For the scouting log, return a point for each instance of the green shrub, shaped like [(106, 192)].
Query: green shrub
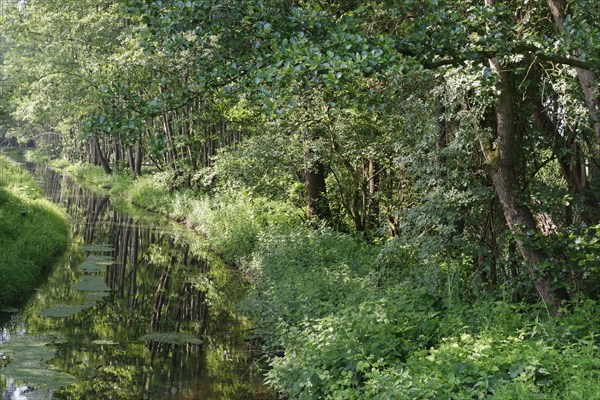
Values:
[(149, 192), (344, 320), (333, 356)]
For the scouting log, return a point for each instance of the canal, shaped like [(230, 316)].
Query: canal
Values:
[(139, 308)]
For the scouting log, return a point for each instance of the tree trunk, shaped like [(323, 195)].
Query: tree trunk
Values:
[(170, 153), (98, 152), (131, 160), (316, 189), (139, 157), (373, 208), (118, 152), (504, 176)]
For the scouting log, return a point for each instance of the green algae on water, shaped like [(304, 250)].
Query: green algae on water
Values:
[(62, 310), (90, 283), (96, 263)]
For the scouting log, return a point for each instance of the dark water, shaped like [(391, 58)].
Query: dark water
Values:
[(138, 309)]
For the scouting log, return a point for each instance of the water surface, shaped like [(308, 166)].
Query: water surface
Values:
[(138, 309)]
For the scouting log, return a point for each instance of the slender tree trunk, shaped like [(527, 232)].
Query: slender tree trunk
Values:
[(170, 146), (131, 160), (373, 208), (98, 151), (139, 157), (118, 152), (91, 152)]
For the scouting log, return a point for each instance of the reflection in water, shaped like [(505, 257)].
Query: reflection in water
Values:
[(14, 391), (138, 310)]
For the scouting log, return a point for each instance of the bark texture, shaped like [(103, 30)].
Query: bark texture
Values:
[(503, 162)]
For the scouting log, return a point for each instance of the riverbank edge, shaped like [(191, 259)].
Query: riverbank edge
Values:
[(210, 216), (34, 234), (339, 318)]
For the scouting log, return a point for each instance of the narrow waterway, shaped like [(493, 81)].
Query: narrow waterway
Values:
[(137, 309)]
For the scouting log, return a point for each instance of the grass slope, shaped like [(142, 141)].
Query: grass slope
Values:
[(33, 234)]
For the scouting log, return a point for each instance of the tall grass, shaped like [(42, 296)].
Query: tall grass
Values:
[(232, 222), (33, 234)]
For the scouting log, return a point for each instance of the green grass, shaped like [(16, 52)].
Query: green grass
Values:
[(33, 234)]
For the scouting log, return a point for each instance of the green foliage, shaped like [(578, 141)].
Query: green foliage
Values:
[(395, 105), (326, 359), (582, 258), (354, 322), (264, 165), (149, 192), (402, 346), (236, 222), (304, 270)]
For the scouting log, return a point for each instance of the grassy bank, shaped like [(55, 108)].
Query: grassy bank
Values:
[(232, 222), (33, 234), (342, 319)]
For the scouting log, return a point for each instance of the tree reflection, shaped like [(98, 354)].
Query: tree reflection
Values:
[(153, 278)]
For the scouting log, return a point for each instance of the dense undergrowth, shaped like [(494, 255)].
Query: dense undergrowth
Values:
[(342, 319), (33, 234)]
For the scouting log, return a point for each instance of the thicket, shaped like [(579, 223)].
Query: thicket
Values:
[(33, 234)]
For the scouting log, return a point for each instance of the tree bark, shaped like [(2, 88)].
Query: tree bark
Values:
[(373, 208), (518, 216), (139, 156), (98, 152), (131, 160), (170, 153)]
